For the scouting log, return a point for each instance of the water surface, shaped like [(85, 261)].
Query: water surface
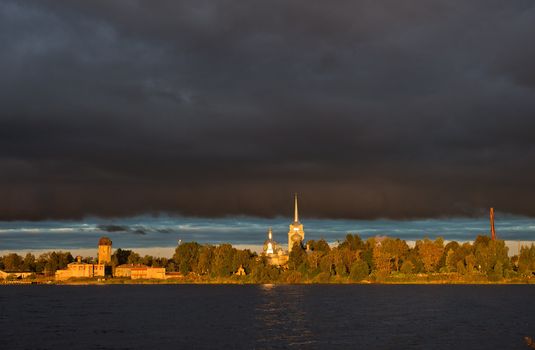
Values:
[(262, 317)]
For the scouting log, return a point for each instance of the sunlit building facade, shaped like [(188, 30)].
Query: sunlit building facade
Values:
[(139, 271), (79, 269), (296, 234)]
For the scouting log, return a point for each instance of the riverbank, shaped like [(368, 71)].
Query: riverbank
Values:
[(390, 280)]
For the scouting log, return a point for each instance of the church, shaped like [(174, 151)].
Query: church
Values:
[(296, 235)]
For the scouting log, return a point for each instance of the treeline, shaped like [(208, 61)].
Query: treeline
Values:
[(353, 259), (125, 256), (49, 263), (46, 263)]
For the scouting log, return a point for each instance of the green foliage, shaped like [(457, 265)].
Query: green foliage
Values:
[(491, 257), (321, 246), (262, 272), (322, 277), (352, 242), (497, 272), (206, 254), (341, 266), (526, 260), (407, 267), (186, 257), (430, 253), (134, 258), (223, 263), (28, 264), (381, 260), (11, 278), (359, 270), (54, 261), (120, 257), (396, 250), (292, 277), (326, 264), (470, 263), (297, 257), (13, 262), (460, 267)]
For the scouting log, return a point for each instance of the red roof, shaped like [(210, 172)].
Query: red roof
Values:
[(104, 241)]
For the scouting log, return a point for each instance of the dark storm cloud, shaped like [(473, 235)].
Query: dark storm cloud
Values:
[(369, 109)]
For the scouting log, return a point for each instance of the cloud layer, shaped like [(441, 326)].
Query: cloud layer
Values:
[(165, 231), (368, 109)]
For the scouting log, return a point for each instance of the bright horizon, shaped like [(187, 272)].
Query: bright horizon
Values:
[(159, 235)]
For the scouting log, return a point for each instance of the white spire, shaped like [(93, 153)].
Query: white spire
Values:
[(270, 233), (296, 213)]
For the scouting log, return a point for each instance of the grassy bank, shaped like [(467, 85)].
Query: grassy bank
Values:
[(418, 279)]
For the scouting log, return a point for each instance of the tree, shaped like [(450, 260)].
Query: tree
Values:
[(134, 258), (243, 258), (187, 257), (326, 263), (460, 267), (414, 257), (206, 253), (352, 242), (50, 262), (455, 253), (13, 262), (497, 272), (526, 260), (470, 263), (223, 263), (313, 260), (359, 270), (28, 264), (320, 246), (396, 249), (407, 267), (430, 252), (367, 253), (297, 257), (382, 259), (341, 261), (120, 257), (263, 272), (450, 247), (489, 253)]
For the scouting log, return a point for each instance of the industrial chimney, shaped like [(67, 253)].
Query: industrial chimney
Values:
[(492, 230)]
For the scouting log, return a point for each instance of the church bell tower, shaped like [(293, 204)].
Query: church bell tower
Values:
[(296, 233)]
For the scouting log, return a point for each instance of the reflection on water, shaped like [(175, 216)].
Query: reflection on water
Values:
[(281, 317), (266, 317)]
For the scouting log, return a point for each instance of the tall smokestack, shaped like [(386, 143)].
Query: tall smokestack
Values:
[(492, 230)]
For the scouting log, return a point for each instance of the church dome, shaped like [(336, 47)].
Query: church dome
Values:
[(270, 241), (270, 246), (104, 241)]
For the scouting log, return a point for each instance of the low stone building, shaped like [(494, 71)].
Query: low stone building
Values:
[(79, 269), (138, 271), (15, 274)]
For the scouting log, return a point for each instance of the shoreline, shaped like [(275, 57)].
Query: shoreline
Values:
[(529, 281)]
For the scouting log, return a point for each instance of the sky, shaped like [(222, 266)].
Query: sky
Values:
[(159, 235), (399, 110)]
